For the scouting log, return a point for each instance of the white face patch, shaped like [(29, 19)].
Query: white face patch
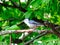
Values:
[(26, 20)]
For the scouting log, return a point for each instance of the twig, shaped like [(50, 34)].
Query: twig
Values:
[(18, 6), (10, 39), (40, 35), (14, 3), (29, 1)]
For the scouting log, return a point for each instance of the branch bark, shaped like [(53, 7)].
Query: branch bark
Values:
[(14, 31), (21, 31)]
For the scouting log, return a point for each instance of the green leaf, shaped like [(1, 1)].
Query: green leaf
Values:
[(13, 27), (28, 14)]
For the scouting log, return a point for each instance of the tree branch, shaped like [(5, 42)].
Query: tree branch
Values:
[(6, 5), (28, 30), (51, 25), (17, 41), (14, 31), (42, 33), (21, 31), (54, 28)]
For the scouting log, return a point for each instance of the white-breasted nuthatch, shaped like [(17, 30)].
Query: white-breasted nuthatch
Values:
[(32, 23)]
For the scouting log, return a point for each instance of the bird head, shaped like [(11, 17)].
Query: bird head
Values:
[(26, 20)]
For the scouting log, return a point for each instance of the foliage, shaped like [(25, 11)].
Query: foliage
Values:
[(47, 10)]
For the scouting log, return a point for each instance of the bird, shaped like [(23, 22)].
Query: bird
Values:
[(32, 23)]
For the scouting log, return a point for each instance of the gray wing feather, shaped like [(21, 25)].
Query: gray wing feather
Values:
[(34, 22)]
